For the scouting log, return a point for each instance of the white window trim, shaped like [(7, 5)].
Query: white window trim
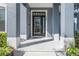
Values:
[(46, 20), (5, 6)]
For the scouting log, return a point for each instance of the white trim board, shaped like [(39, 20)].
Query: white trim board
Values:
[(46, 19)]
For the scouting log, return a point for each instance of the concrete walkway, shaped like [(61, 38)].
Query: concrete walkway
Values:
[(45, 47)]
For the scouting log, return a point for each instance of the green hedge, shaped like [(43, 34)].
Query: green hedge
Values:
[(76, 35), (5, 51), (3, 39), (72, 51)]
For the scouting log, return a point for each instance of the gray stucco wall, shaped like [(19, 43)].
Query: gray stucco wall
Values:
[(69, 22), (18, 20), (49, 23), (13, 25), (49, 20), (13, 22), (55, 21), (78, 22), (23, 20), (11, 19), (28, 21)]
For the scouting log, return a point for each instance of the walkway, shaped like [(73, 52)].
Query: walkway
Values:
[(47, 47)]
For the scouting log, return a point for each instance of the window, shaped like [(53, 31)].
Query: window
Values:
[(2, 18)]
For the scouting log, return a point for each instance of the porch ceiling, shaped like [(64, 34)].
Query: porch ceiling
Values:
[(41, 5)]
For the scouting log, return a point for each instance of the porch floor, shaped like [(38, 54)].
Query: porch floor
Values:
[(39, 47)]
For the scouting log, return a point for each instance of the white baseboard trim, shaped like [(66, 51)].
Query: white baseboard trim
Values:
[(13, 42), (23, 36)]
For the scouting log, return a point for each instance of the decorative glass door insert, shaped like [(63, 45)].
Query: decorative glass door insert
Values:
[(38, 24)]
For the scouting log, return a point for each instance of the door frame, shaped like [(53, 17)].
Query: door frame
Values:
[(32, 19)]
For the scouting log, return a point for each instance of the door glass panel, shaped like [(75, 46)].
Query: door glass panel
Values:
[(38, 24)]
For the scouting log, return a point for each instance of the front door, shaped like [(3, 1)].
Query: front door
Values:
[(38, 25)]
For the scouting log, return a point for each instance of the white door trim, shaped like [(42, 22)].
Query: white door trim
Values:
[(46, 20)]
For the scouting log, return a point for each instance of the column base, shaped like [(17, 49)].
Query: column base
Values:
[(13, 42), (59, 45), (23, 36), (56, 37)]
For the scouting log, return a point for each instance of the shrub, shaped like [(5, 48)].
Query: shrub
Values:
[(5, 51), (3, 39), (72, 50), (76, 35)]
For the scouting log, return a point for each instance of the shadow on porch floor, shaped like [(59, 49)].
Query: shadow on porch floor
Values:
[(34, 43)]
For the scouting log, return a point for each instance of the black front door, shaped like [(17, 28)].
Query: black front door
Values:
[(38, 25)]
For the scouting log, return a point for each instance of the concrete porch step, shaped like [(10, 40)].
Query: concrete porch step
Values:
[(51, 53), (40, 54)]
